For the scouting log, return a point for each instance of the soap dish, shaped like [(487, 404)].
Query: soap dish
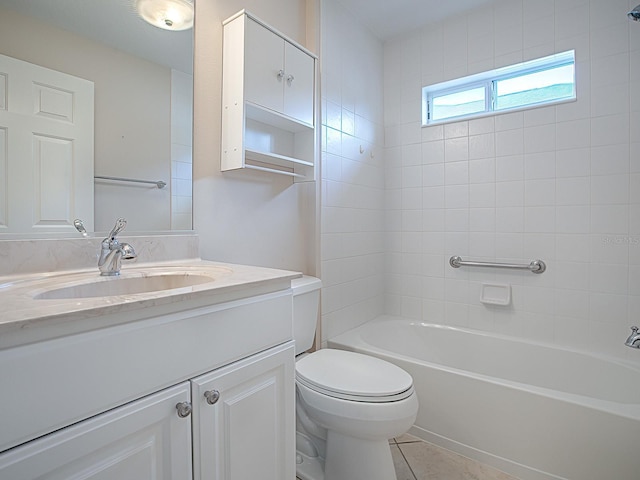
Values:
[(495, 294)]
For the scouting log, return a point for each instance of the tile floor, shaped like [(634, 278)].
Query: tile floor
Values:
[(415, 459)]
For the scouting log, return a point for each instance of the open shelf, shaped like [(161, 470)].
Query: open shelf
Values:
[(278, 120), (274, 158)]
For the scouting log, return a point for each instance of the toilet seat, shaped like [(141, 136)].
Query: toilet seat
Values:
[(353, 376)]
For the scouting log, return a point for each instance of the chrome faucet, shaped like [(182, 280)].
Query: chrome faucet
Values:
[(80, 227), (634, 339), (112, 252)]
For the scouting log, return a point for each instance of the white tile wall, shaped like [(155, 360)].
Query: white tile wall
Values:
[(181, 150), (557, 183), (353, 173)]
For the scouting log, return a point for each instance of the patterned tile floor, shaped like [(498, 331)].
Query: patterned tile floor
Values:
[(415, 459)]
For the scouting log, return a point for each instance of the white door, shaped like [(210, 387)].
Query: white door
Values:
[(244, 419), (299, 84), (46, 149), (264, 66), (143, 440)]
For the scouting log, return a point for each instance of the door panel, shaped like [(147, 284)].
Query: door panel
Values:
[(143, 440), (52, 102), (3, 91), (264, 58), (249, 432), (299, 84), (47, 120), (4, 179), (53, 189)]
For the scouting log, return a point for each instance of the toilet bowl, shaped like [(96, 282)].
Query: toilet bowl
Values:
[(348, 405)]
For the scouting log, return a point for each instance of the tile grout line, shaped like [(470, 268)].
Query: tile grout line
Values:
[(407, 461)]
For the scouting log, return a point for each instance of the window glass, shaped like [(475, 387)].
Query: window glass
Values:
[(530, 84), (537, 87), (457, 104)]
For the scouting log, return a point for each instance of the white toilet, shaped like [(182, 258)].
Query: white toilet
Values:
[(348, 405)]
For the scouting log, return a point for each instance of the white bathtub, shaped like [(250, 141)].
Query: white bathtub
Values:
[(532, 410)]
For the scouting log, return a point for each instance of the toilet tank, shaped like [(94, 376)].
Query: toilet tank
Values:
[(306, 304)]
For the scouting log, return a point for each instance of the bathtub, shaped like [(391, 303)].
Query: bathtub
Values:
[(532, 410)]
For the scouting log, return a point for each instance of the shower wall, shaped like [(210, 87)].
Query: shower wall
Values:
[(559, 183), (352, 172)]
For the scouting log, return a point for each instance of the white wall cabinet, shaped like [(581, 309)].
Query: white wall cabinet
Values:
[(268, 95)]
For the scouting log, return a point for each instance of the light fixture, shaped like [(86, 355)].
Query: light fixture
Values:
[(167, 14)]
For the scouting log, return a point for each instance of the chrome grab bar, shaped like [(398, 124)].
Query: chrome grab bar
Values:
[(536, 266), (159, 183)]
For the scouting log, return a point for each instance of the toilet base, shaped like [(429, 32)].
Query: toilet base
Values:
[(309, 468), (357, 459)]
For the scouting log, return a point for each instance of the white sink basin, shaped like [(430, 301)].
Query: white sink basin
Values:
[(109, 286)]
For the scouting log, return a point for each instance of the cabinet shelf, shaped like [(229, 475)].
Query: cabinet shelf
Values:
[(274, 158), (286, 173), (277, 119)]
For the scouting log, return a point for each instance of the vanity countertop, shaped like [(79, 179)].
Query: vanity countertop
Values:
[(25, 318)]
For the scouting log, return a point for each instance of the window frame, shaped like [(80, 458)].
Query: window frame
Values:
[(490, 80)]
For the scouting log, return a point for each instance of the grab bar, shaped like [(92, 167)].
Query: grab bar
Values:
[(158, 183), (536, 266)]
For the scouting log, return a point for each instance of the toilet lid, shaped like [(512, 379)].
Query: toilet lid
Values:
[(353, 376)]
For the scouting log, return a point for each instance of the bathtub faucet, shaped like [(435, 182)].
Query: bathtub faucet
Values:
[(634, 339)]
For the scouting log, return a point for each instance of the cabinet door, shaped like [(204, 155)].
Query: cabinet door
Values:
[(142, 440), (299, 84), (246, 427), (264, 66)]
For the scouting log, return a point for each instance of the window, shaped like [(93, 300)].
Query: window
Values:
[(538, 82)]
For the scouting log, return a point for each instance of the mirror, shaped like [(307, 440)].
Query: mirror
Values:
[(143, 91)]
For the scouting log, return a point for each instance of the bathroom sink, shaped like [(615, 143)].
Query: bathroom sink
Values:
[(109, 286)]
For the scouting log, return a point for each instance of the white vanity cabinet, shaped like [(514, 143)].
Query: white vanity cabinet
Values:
[(102, 402), (241, 412), (268, 95)]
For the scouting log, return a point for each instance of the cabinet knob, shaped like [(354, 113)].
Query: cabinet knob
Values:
[(280, 74), (290, 79), (212, 396), (184, 409)]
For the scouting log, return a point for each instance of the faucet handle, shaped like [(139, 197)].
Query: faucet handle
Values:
[(80, 227), (118, 227), (634, 330)]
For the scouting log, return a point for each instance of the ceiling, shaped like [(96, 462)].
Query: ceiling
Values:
[(390, 18), (114, 23)]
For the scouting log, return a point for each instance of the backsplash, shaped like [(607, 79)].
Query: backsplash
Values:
[(48, 255)]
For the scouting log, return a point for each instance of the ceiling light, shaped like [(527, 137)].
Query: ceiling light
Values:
[(167, 14)]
